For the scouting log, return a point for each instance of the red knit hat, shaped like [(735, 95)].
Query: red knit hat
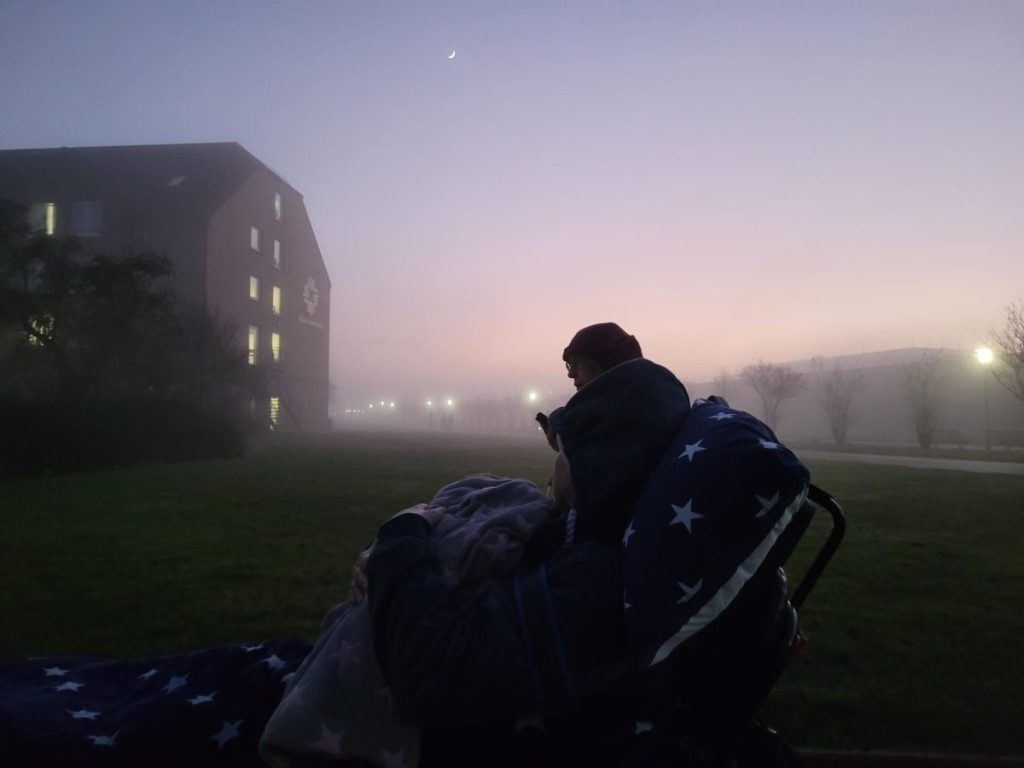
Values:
[(605, 343)]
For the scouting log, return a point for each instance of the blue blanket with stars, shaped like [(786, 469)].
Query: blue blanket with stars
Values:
[(197, 709)]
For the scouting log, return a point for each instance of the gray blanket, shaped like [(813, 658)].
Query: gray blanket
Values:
[(337, 705)]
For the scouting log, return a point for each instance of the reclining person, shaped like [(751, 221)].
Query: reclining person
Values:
[(549, 640), (705, 494)]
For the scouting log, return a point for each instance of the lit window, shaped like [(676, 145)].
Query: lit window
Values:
[(43, 218), (275, 409), (277, 206), (277, 254), (254, 344), (254, 288), (275, 300), (275, 347), (254, 238)]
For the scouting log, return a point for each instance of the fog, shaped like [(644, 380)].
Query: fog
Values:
[(729, 183)]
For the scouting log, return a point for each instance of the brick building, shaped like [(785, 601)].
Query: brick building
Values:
[(237, 234)]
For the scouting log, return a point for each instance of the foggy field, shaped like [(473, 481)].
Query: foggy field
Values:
[(915, 629)]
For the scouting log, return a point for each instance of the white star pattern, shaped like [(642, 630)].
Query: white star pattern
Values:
[(689, 592), (104, 741), (147, 675), (70, 686), (227, 732), (722, 415), (175, 683), (294, 697), (392, 759), (347, 655), (273, 662), (692, 450), (82, 714), (629, 532), (768, 444), (766, 504), (54, 671), (202, 698), (329, 741), (685, 515)]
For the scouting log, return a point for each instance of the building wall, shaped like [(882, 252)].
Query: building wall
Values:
[(300, 379), (128, 224)]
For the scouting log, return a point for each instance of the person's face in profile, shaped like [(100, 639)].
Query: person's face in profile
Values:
[(581, 369)]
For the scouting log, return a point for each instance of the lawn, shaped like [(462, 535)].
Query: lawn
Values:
[(915, 629)]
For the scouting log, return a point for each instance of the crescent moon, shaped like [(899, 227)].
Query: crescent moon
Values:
[(451, 55)]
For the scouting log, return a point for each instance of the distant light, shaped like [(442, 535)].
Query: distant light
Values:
[(391, 404), (371, 405), (984, 355), (381, 403), (430, 403), (532, 396), (449, 402)]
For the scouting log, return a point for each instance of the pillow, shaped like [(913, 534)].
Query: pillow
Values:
[(709, 515)]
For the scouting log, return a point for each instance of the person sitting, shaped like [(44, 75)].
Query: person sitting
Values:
[(549, 640), (676, 508)]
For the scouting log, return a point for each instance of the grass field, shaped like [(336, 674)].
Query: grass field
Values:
[(916, 629)]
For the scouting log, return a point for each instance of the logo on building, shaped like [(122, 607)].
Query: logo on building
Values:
[(311, 296)]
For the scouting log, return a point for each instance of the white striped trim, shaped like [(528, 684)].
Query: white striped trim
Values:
[(570, 527), (721, 600)]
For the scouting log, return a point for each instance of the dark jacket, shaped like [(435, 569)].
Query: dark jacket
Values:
[(550, 639), (534, 642), (614, 432)]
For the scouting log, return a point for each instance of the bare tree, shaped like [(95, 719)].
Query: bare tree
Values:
[(1009, 347), (836, 390), (922, 384), (724, 385), (773, 383)]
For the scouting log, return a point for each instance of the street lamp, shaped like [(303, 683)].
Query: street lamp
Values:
[(985, 356)]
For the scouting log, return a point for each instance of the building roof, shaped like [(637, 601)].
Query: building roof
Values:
[(168, 180)]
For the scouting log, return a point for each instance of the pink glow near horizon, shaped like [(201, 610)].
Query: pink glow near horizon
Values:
[(727, 182)]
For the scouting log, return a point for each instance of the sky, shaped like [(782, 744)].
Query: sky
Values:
[(727, 181)]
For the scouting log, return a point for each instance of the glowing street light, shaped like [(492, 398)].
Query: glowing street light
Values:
[(449, 402), (985, 356), (532, 396)]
